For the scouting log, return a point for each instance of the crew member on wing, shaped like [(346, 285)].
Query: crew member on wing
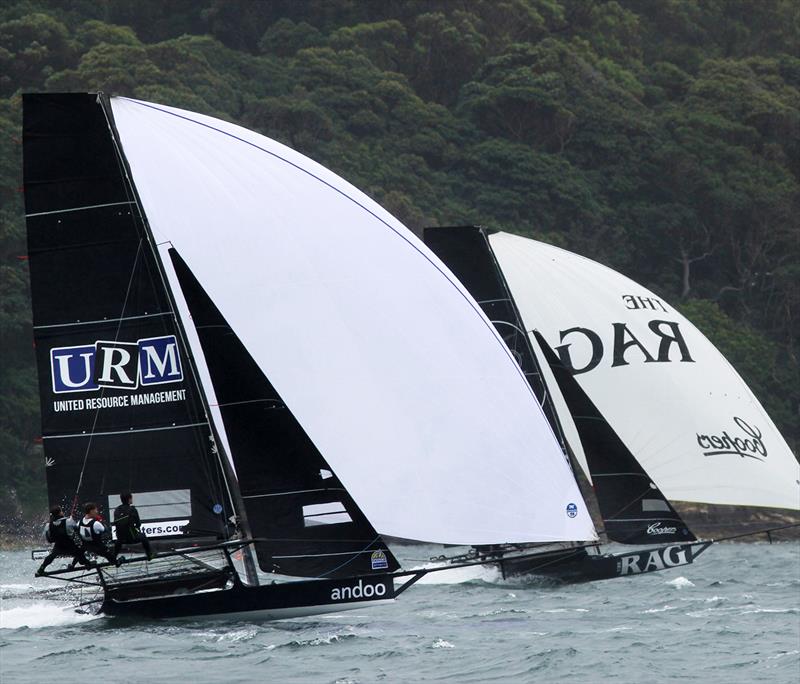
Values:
[(62, 532), (128, 526), (95, 536)]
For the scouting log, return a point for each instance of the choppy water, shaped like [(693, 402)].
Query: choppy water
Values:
[(734, 616)]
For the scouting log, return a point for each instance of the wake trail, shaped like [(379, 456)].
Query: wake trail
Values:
[(478, 573), (40, 615)]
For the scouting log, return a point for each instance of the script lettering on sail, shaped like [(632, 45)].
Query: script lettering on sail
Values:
[(750, 446)]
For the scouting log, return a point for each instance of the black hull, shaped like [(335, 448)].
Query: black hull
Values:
[(560, 563), (270, 601), (577, 565)]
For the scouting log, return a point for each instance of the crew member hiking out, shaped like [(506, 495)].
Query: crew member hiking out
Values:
[(94, 535), (62, 532), (129, 526)]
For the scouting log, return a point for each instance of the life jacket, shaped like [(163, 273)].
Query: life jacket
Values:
[(87, 531), (57, 532), (126, 520)]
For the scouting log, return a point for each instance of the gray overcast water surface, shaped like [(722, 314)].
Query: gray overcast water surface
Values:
[(733, 616)]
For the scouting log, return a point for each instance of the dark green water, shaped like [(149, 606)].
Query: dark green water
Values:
[(734, 616)]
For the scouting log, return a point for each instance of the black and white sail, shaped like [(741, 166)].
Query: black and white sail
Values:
[(671, 398), (306, 522), (237, 335), (120, 411), (202, 292), (633, 509)]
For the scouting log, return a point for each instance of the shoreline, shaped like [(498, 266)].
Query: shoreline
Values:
[(21, 543)]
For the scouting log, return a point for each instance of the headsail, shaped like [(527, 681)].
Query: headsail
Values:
[(119, 410), (670, 396), (309, 524), (384, 359), (634, 510)]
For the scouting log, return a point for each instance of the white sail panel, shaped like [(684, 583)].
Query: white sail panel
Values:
[(382, 356), (673, 399)]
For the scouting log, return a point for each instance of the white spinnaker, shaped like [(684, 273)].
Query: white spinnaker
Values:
[(669, 414), (382, 356)]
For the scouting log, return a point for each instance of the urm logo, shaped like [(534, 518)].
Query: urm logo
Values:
[(122, 365)]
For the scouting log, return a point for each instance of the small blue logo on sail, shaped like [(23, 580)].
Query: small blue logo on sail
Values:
[(572, 510), (121, 365), (378, 560)]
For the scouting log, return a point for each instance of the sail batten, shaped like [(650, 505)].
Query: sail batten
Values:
[(84, 208)]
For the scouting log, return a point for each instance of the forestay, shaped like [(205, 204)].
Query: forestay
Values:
[(672, 398), (384, 359)]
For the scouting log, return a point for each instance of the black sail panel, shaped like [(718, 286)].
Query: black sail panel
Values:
[(633, 508), (119, 409), (310, 525)]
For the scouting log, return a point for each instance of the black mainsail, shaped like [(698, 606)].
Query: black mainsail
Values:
[(122, 407), (119, 409)]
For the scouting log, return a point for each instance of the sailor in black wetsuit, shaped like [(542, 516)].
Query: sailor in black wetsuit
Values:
[(129, 526), (95, 536), (62, 532)]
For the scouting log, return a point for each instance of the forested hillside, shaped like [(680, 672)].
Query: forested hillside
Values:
[(659, 137)]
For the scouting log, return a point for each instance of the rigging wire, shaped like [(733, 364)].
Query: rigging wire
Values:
[(102, 388), (138, 261), (134, 198)]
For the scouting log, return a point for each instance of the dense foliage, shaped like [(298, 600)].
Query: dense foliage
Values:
[(662, 138)]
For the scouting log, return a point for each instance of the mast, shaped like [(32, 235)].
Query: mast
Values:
[(234, 494)]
